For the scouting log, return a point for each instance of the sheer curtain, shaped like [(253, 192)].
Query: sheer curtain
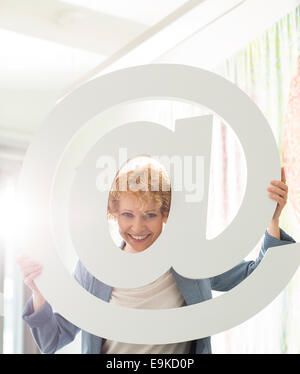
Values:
[(264, 70), (291, 157)]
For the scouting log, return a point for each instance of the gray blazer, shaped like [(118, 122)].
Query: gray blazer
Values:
[(51, 331)]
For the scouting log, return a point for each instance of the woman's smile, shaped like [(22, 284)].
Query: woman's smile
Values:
[(139, 238)]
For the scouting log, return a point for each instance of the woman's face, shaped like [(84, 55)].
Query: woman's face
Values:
[(139, 227)]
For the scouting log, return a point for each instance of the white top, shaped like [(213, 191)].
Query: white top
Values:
[(160, 294)]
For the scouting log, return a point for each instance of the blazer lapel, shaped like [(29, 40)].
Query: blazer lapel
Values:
[(100, 290), (193, 290)]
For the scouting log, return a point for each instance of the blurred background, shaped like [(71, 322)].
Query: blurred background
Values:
[(50, 47)]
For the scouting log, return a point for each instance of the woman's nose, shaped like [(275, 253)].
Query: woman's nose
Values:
[(138, 225)]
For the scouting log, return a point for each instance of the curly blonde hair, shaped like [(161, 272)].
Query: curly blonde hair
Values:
[(146, 180)]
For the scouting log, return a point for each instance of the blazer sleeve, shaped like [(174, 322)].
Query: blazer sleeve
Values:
[(50, 330), (232, 277)]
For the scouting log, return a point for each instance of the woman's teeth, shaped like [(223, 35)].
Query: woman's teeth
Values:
[(139, 237)]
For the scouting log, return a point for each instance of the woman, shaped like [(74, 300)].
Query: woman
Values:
[(141, 214)]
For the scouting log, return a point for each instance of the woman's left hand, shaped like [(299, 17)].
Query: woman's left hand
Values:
[(278, 191)]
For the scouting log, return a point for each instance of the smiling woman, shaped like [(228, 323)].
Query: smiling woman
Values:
[(139, 201)]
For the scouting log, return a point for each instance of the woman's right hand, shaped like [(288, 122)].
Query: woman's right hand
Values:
[(30, 270)]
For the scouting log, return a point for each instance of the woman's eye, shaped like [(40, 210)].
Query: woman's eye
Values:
[(127, 214), (151, 215)]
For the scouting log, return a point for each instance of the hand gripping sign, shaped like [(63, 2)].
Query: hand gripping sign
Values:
[(58, 183)]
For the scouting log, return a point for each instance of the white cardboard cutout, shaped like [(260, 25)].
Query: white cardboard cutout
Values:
[(43, 167)]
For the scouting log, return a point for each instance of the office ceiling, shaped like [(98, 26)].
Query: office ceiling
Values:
[(47, 45)]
